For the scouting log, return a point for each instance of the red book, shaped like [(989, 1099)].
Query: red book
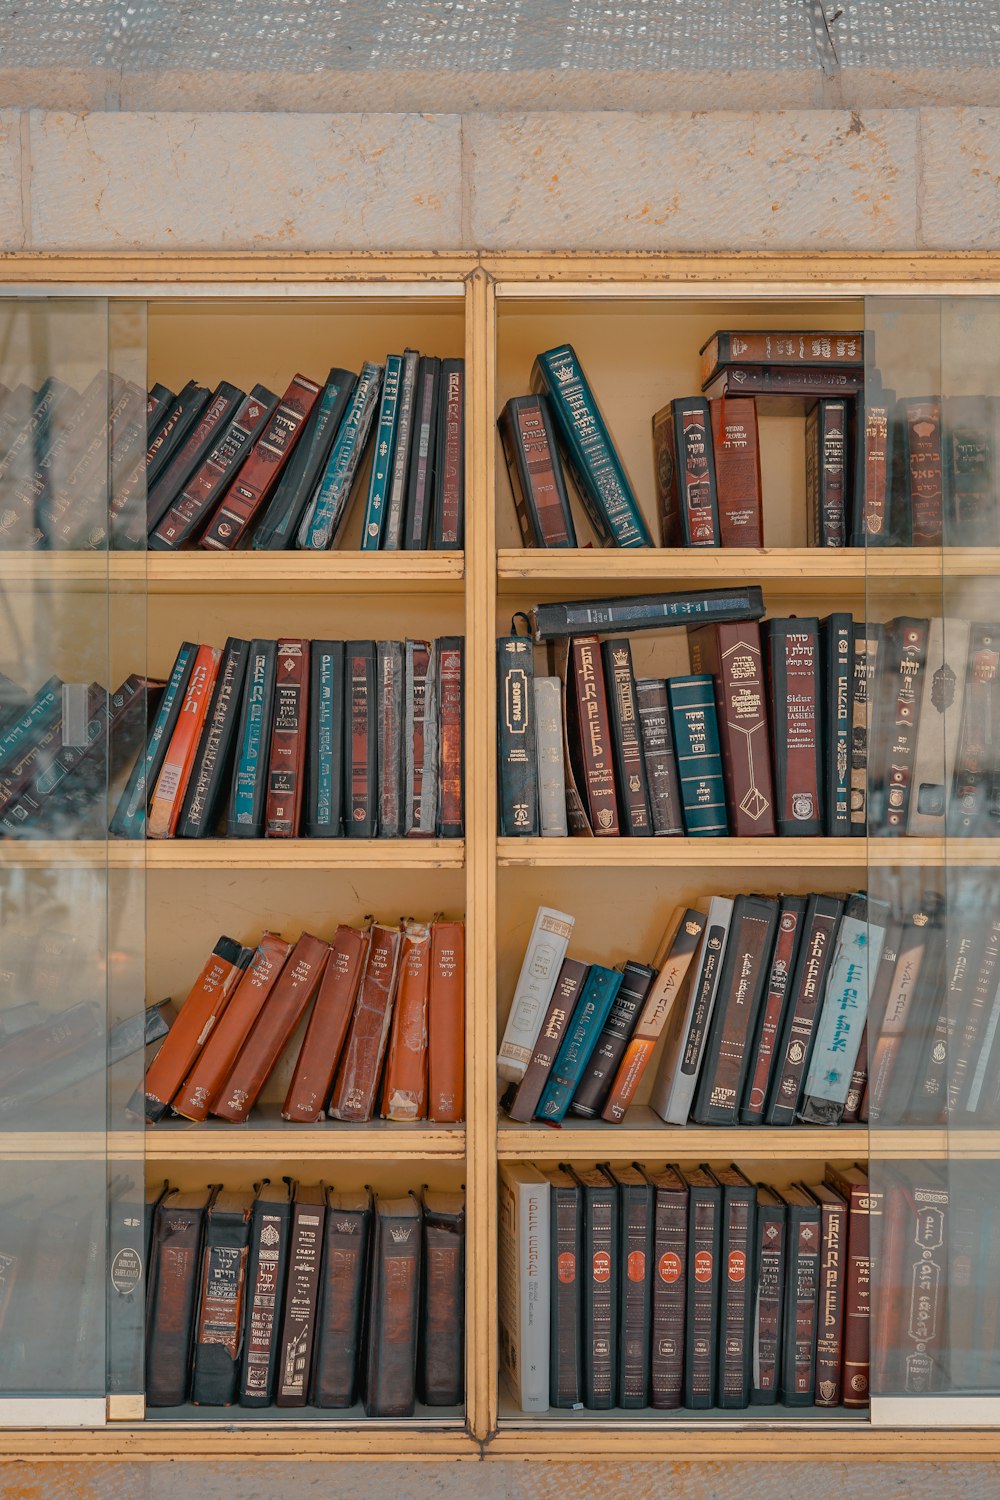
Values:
[(830, 1314), (286, 767), (327, 1029), (446, 1024), (925, 471), (863, 1205), (404, 1096), (736, 439), (353, 1095), (731, 654), (171, 784), (590, 730)]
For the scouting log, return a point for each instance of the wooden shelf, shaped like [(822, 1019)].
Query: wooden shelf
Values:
[(236, 854), (268, 1136), (770, 854), (239, 572)]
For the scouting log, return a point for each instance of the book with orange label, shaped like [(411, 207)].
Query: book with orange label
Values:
[(404, 1096), (324, 1039), (446, 1024), (171, 784)]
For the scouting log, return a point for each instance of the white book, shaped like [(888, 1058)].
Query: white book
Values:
[(844, 1011), (550, 759), (680, 1063), (539, 972), (523, 1213), (938, 726)]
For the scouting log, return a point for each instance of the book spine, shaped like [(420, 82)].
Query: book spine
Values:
[(298, 1325), (769, 1296), (864, 1205), (668, 500), (129, 816), (677, 1075), (395, 510), (536, 480), (623, 1018), (630, 766), (523, 1290), (940, 717), (669, 1298), (867, 641), (325, 781), (389, 678), (907, 666), (360, 1068), (341, 1305), (783, 349), (404, 1092), (970, 463), (178, 1237), (549, 758), (805, 383), (858, 1082), (925, 471), (442, 1310), (600, 1297), (327, 511), (741, 984), (702, 1317), (735, 1298), (593, 744), (246, 800), (578, 1044), (219, 1318), (451, 737), (826, 472), (551, 622), (565, 1311), (798, 1363), (731, 655), (838, 671), (658, 753), (213, 763), (420, 480), (448, 531), (326, 1032), (287, 754), (699, 758), (300, 477), (205, 432), (360, 741), (763, 1051), (171, 784), (635, 1282), (830, 1300), (796, 723), (446, 1024), (415, 700), (736, 441), (385, 439), (872, 470), (525, 1097), (972, 1021), (392, 1318), (695, 475), (165, 442), (973, 807), (249, 492), (808, 986), (191, 507), (843, 1014), (540, 968)]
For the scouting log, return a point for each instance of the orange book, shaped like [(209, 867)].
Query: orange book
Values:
[(214, 1063), (171, 784), (324, 1039), (446, 1024), (199, 1015), (404, 1096), (356, 1086)]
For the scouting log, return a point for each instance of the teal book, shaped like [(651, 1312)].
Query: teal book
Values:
[(301, 475), (591, 1012), (249, 790), (129, 819), (587, 447), (376, 509), (326, 514), (699, 761), (39, 715)]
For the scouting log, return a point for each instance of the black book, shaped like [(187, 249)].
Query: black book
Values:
[(745, 970), (808, 986), (129, 817), (360, 740), (702, 1312), (248, 796), (323, 810), (213, 763), (768, 1290), (599, 1290), (521, 1100), (127, 1262), (795, 693), (827, 469), (629, 613), (441, 1356), (217, 414), (340, 1311), (219, 1323), (395, 505), (448, 525), (670, 1231), (307, 465), (736, 1303), (173, 1294), (837, 644), (298, 1320), (766, 1036), (656, 729), (635, 1285), (566, 1270), (267, 1265), (518, 770), (159, 400), (389, 677), (798, 1341), (626, 739), (420, 478), (173, 428), (391, 1341), (599, 1075)]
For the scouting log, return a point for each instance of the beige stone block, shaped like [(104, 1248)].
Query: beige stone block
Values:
[(829, 179), (960, 179), (227, 181), (11, 214)]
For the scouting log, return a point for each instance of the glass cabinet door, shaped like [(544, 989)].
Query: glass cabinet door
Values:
[(73, 704)]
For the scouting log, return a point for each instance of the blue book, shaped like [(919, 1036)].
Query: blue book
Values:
[(325, 515), (593, 461), (699, 761), (33, 722), (583, 1034), (376, 509), (844, 1011), (129, 820), (249, 790)]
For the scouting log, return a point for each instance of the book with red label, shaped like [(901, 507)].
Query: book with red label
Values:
[(298, 1321), (199, 1014), (208, 427), (255, 483), (590, 735), (925, 470), (827, 459), (171, 784), (626, 742), (340, 1311), (448, 519), (745, 972), (767, 1031), (272, 1030), (360, 1068), (703, 1287), (441, 1369), (830, 1300), (805, 996), (565, 1289), (446, 1024), (393, 1308), (736, 441), (635, 1285), (731, 655), (537, 482), (175, 1265), (798, 1353), (218, 1333), (736, 1301), (768, 1295), (864, 1205), (404, 1092), (795, 692), (286, 767), (266, 1268), (360, 740), (215, 1061), (451, 737), (326, 1032), (840, 349), (669, 1300), (685, 474), (601, 1270), (523, 1098)]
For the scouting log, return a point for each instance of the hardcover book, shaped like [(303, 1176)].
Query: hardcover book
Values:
[(867, 644), (219, 1317), (795, 691), (699, 758), (524, 1097), (404, 1091), (175, 769), (827, 468), (770, 1016), (300, 476), (970, 472), (602, 1068), (627, 615), (703, 1287), (736, 440), (173, 1293), (680, 1063), (837, 645), (566, 1269), (340, 1306), (528, 437), (805, 996), (589, 735), (658, 753), (684, 461), (201, 437), (448, 518), (360, 1067), (768, 1296), (830, 1297), (736, 1305), (635, 1285), (523, 1292), (939, 717), (393, 1308), (925, 470), (543, 956), (864, 1204), (836, 349), (298, 1320), (446, 1024), (669, 1300), (740, 992), (450, 769), (326, 512), (213, 764), (798, 1353), (287, 754), (248, 794), (324, 764), (312, 1078), (441, 1372), (550, 772), (395, 508), (601, 1273), (267, 1265), (629, 761), (420, 480), (731, 655), (390, 687), (381, 470), (581, 1037), (360, 740)]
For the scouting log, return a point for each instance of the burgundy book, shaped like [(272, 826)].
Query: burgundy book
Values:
[(731, 654), (670, 1232), (922, 427), (524, 1096), (830, 1314), (207, 430), (685, 474), (356, 1085), (451, 726), (175, 1260), (788, 347), (764, 1047), (736, 439), (794, 387), (859, 1080), (298, 1325), (541, 499), (323, 1042), (272, 1030), (590, 731), (863, 1205), (796, 704), (446, 1024), (404, 1093), (286, 767)]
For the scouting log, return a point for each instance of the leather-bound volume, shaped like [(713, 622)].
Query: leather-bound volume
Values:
[(420, 737), (393, 1309), (635, 1285), (736, 441), (516, 730), (837, 350), (451, 737), (324, 766), (837, 643), (626, 743), (873, 443), (301, 475), (287, 755), (360, 1067), (404, 1093), (768, 1271), (389, 684), (526, 1095), (326, 1032), (201, 1011), (592, 1011), (796, 706), (736, 1302), (272, 1030), (863, 1205), (566, 1271), (629, 613), (858, 1082), (267, 1266), (731, 655), (395, 505), (971, 470), (248, 793), (798, 1353), (536, 477), (206, 430), (214, 1062), (965, 1049), (250, 491), (171, 784), (340, 1311), (656, 729), (590, 731), (669, 1300), (685, 474), (560, 663), (441, 1372), (298, 1319), (448, 519), (213, 764), (703, 1283), (974, 810), (543, 955), (173, 428), (940, 719), (904, 667), (129, 817), (173, 1294), (218, 1334), (360, 740), (867, 648), (827, 468), (895, 1049), (745, 969), (420, 480), (616, 1033), (699, 756), (446, 1024), (830, 1297), (767, 1031), (805, 997), (601, 1270), (925, 470), (918, 1313)]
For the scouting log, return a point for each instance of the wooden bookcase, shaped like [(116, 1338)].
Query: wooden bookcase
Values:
[(637, 322)]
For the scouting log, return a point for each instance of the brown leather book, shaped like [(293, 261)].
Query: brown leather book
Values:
[(404, 1095), (446, 1024), (360, 1067), (451, 727), (214, 1063), (199, 1014), (685, 474), (590, 735), (393, 1308), (736, 439), (863, 1205), (830, 1316), (323, 1042), (442, 1320), (298, 1324), (175, 1261), (287, 761), (922, 422), (272, 1029), (731, 654)]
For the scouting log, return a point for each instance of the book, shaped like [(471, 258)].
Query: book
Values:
[(802, 1006), (827, 469), (768, 1296), (267, 1265), (389, 687), (974, 808), (736, 441), (420, 479), (699, 758), (543, 956), (360, 1066), (450, 780), (874, 432), (167, 799), (939, 718), (287, 754), (897, 1034), (837, 646), (522, 1100), (186, 457), (448, 516), (601, 1274), (830, 1294), (602, 1067), (326, 513), (404, 1091), (419, 739), (660, 760), (441, 1372), (673, 1090), (635, 1285), (565, 1285), (360, 740), (867, 643), (792, 654), (739, 995), (528, 438), (579, 1040), (704, 1243), (787, 348), (523, 1291), (771, 1013), (864, 1204), (731, 655), (38, 716), (381, 469), (324, 792), (550, 774), (312, 1078), (924, 470), (911, 1337), (391, 538), (904, 668), (248, 792), (216, 752), (589, 736), (629, 762), (970, 518), (300, 476), (173, 1292), (643, 612), (684, 464), (588, 450), (341, 1300), (669, 1294), (298, 1319), (218, 1324), (966, 1048), (781, 390), (164, 442), (393, 1308), (446, 1024), (802, 1247), (736, 1302)]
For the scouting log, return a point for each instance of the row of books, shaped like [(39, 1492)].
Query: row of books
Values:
[(797, 727), (297, 1295), (223, 469), (631, 1287), (386, 1032)]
